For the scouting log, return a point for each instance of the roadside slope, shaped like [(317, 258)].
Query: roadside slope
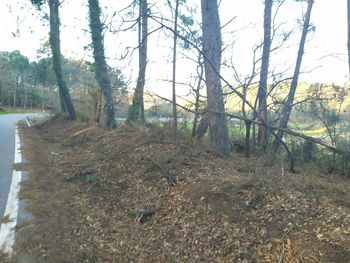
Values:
[(90, 192)]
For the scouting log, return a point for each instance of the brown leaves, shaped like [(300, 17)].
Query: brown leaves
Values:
[(213, 214)]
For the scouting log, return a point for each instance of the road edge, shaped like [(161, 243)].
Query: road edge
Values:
[(7, 230)]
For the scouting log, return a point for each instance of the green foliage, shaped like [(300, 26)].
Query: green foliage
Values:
[(132, 214), (163, 109), (302, 151), (17, 81), (16, 60), (187, 20), (85, 115), (43, 72), (325, 104), (91, 178), (28, 84)]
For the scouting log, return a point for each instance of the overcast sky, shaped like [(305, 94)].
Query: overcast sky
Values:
[(325, 57)]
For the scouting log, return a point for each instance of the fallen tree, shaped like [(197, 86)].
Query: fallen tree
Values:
[(272, 129)]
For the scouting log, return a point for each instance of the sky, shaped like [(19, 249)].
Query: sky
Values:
[(325, 58)]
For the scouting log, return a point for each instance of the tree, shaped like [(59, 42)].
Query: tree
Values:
[(262, 91), (326, 104), (136, 111), (19, 65), (101, 70), (57, 57), (55, 44), (287, 108), (212, 63), (18, 78)]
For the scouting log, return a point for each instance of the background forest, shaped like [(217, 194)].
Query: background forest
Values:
[(255, 107)]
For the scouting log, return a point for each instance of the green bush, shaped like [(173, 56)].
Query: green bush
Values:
[(86, 115)]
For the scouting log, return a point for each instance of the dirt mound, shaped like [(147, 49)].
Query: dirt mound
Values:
[(136, 195)]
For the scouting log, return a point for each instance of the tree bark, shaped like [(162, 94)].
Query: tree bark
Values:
[(174, 66), (289, 103), (262, 91), (1, 96), (15, 92), (66, 101), (212, 63), (202, 126), (101, 69), (136, 111)]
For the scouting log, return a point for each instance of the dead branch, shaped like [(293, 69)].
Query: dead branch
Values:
[(95, 183), (280, 259), (83, 131), (287, 233), (80, 173), (290, 132), (142, 215), (171, 180)]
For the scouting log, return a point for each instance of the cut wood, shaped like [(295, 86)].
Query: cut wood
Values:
[(83, 131)]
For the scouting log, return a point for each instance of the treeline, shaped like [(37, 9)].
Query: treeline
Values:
[(267, 94), (19, 81), (33, 85)]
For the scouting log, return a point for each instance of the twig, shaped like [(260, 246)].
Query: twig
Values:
[(95, 183), (287, 233), (83, 131), (280, 259), (171, 181), (143, 214), (77, 175)]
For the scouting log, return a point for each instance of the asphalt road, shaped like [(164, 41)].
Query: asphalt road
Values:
[(7, 150)]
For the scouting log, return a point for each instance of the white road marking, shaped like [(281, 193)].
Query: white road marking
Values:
[(7, 230)]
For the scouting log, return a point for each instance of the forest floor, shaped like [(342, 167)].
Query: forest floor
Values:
[(100, 196)]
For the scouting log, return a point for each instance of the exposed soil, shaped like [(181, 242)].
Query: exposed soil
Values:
[(90, 192)]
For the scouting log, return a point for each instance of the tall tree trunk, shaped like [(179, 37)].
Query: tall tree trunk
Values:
[(101, 70), (136, 111), (15, 92), (212, 63), (1, 96), (24, 102), (289, 103), (62, 102), (348, 20), (57, 57), (174, 66), (262, 92)]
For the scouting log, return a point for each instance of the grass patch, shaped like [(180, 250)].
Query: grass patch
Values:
[(6, 112), (315, 132)]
